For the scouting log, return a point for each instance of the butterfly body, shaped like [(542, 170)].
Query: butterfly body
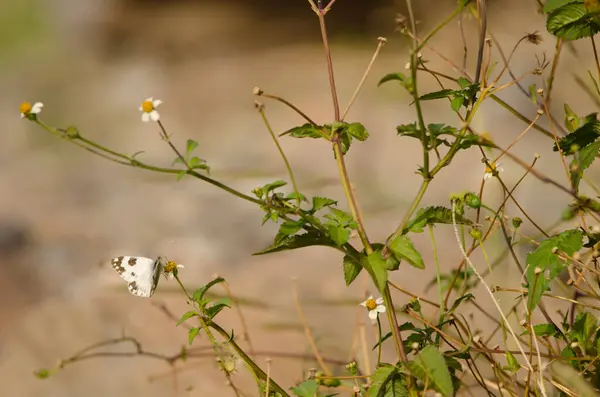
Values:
[(142, 274)]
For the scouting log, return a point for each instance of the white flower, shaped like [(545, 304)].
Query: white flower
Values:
[(375, 306), (148, 109), (27, 109), (491, 169)]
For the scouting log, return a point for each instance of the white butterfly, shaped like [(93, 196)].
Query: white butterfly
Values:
[(142, 274)]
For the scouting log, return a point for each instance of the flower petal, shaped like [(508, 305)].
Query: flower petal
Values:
[(380, 309), (373, 314), (156, 102), (154, 115), (364, 304), (145, 117), (36, 108), (379, 301), (148, 99)]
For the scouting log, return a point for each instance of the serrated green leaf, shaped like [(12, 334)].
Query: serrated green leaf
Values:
[(583, 329), (408, 129), (378, 267), (382, 375), (357, 130), (582, 161), (291, 227), (432, 215), (430, 367), (269, 187), (308, 388), (322, 202), (192, 334), (308, 239), (571, 22), (352, 269), (403, 248), (579, 138), (549, 263), (544, 330), (186, 316), (342, 218), (339, 234)]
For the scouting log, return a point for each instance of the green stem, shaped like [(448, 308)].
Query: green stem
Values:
[(438, 279), (380, 342), (415, 91), (257, 370)]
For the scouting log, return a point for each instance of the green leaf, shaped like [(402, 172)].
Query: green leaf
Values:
[(342, 218), (579, 138), (582, 161), (181, 175), (291, 227), (192, 334), (456, 103), (432, 215), (549, 263), (544, 330), (571, 22), (339, 234), (408, 130), (430, 367), (186, 316), (199, 293), (378, 267), (445, 93), (583, 330), (571, 119), (322, 202), (305, 131), (533, 93), (298, 241), (552, 5), (269, 187), (357, 130), (352, 269), (403, 248), (392, 77), (222, 303), (513, 364), (308, 388), (384, 374), (191, 145), (467, 296)]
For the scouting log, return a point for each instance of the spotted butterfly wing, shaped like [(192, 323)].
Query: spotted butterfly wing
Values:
[(142, 274)]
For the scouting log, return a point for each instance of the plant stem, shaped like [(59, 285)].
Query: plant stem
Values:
[(283, 156), (257, 370)]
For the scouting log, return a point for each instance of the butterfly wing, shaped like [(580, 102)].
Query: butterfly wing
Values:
[(142, 274)]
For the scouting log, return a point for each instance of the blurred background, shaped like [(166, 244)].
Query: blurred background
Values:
[(65, 213)]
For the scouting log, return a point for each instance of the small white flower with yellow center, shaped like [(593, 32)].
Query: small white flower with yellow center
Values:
[(148, 109), (28, 110), (171, 267), (492, 169), (375, 306)]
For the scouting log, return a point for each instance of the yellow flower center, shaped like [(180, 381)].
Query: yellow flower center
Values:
[(371, 304), (170, 266), (490, 169), (25, 108), (147, 106)]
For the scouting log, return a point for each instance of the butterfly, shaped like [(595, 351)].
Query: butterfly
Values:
[(142, 274)]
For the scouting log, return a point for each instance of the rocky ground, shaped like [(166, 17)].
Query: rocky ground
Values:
[(65, 213)]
